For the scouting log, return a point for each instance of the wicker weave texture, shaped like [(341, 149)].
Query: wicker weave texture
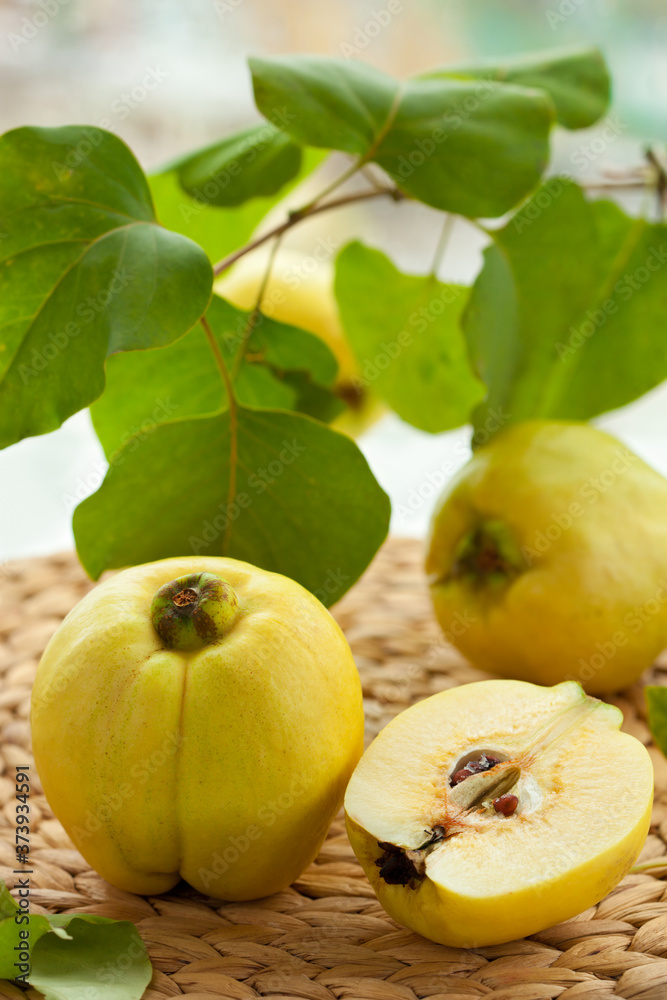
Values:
[(327, 938)]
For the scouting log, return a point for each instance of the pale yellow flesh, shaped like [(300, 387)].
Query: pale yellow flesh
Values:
[(224, 766), (592, 605), (585, 804), (300, 292)]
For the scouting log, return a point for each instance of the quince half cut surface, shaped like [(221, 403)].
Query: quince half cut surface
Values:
[(493, 810)]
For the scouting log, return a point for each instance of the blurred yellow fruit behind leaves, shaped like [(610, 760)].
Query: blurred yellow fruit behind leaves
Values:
[(300, 292)]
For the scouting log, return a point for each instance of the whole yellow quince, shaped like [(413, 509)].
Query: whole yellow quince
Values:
[(547, 557), (197, 718), (496, 809), (300, 292)]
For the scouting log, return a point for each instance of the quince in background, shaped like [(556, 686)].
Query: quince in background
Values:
[(547, 557), (197, 719), (300, 292), (498, 808)]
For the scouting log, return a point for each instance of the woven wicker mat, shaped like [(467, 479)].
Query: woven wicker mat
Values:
[(327, 937)]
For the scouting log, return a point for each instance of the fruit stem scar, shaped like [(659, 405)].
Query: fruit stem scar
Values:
[(187, 596), (194, 611), (488, 552)]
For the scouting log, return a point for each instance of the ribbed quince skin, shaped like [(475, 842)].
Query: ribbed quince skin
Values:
[(197, 718), (547, 557)]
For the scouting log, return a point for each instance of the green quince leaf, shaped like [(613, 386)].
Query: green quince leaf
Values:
[(85, 271), (219, 231), (147, 388), (472, 147), (256, 162), (8, 905), (314, 400), (656, 701), (405, 331), (576, 79), (257, 386), (67, 955), (12, 940), (276, 489), (18, 934), (108, 958), (20, 931), (563, 335)]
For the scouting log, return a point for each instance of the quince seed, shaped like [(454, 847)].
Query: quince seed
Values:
[(506, 804)]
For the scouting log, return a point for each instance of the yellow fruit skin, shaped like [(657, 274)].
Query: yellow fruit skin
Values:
[(466, 922), (591, 605), (300, 293), (222, 766)]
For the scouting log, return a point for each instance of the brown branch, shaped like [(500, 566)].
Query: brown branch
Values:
[(298, 215)]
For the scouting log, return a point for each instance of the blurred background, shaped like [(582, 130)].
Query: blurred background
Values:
[(170, 75)]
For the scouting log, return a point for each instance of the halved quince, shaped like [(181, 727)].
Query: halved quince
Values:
[(493, 810)]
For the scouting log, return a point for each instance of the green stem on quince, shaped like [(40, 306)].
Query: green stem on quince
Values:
[(194, 611)]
